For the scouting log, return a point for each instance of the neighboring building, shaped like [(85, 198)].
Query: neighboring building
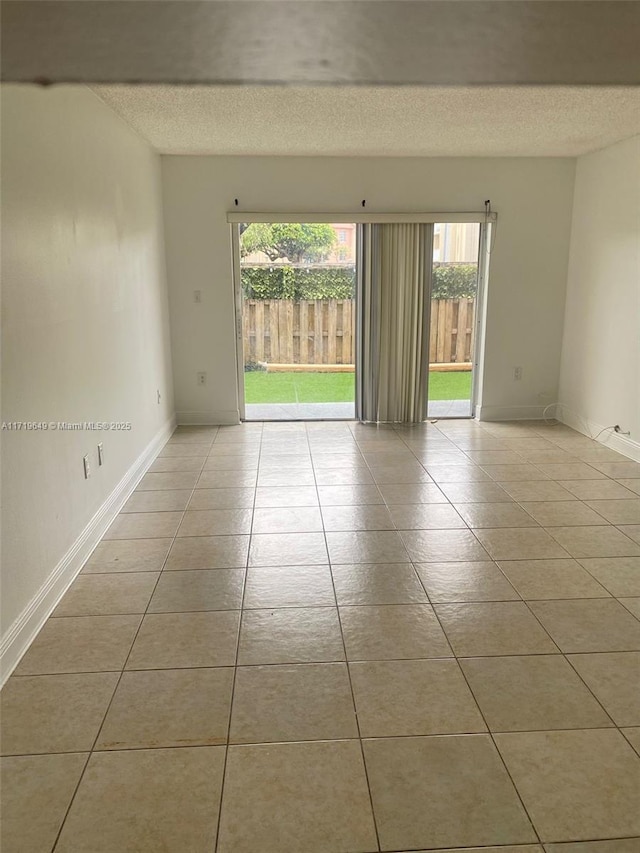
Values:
[(456, 242), (345, 249)]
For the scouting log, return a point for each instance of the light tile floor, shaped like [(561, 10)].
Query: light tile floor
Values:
[(337, 638)]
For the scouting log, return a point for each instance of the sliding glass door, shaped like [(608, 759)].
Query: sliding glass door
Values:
[(296, 302), (375, 319), (453, 315)]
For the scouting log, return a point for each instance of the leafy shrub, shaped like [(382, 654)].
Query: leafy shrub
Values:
[(454, 281), (285, 281), (290, 282)]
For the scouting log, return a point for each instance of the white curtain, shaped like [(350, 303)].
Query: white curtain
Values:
[(393, 303)]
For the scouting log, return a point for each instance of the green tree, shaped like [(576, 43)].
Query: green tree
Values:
[(295, 241)]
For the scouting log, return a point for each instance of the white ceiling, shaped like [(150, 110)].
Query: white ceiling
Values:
[(505, 121)]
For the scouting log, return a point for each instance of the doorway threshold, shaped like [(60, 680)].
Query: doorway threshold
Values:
[(440, 409), (449, 409), (299, 412)]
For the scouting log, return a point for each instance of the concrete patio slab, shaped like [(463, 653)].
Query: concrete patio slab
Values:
[(341, 411)]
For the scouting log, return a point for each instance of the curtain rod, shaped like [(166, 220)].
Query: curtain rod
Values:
[(360, 216)]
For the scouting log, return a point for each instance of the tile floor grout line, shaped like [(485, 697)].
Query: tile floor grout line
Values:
[(353, 698), (121, 671), (223, 777), (566, 658), (464, 526), (577, 672), (330, 660), (333, 660), (434, 601), (490, 733), (434, 734), (561, 653)]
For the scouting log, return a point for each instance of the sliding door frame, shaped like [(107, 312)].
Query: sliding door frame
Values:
[(487, 222), (477, 359), (361, 216), (358, 331), (239, 318)]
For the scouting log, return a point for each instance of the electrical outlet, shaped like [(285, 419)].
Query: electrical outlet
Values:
[(201, 377), (517, 374), (87, 467), (101, 454), (159, 396), (197, 296)]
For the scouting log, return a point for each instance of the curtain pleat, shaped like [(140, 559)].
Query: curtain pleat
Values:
[(393, 302)]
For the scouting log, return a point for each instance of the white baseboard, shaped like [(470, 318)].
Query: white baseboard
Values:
[(614, 440), (23, 631), (513, 413), (223, 417)]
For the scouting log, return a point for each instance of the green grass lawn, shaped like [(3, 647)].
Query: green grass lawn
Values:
[(263, 387)]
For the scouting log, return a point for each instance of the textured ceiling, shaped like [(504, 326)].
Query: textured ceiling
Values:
[(378, 121)]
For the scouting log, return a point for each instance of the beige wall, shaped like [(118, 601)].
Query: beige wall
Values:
[(533, 198), (85, 329), (600, 375)]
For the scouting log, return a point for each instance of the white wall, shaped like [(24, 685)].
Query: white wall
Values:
[(84, 322), (533, 198), (600, 374)]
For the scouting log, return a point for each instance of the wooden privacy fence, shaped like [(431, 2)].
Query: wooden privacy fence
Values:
[(322, 331), (284, 331), (452, 329)]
